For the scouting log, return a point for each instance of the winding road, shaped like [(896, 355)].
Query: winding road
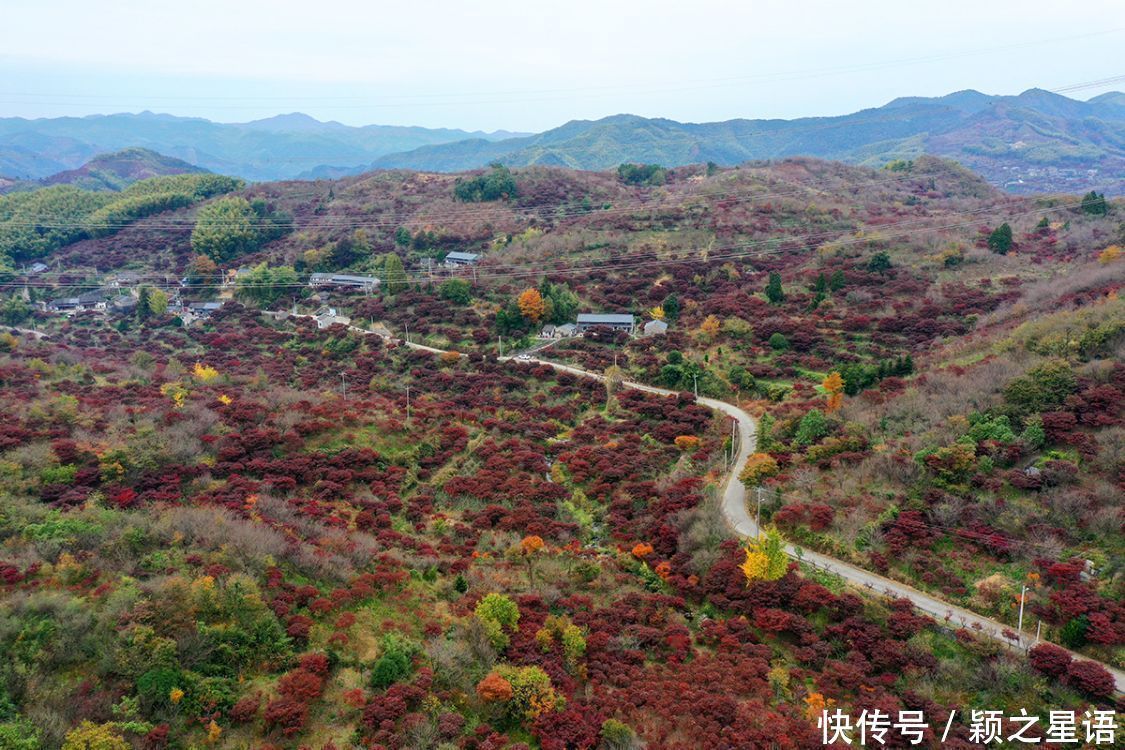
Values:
[(737, 517)]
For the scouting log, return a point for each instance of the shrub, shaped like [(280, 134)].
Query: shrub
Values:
[(1049, 659), (499, 609), (1091, 678), (91, 736), (396, 661)]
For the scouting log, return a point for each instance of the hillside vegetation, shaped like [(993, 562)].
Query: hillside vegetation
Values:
[(251, 531)]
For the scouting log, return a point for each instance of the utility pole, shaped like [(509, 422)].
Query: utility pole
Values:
[(758, 516), (407, 332), (500, 342), (408, 404), (695, 380), (1019, 626), (344, 385), (1038, 628)]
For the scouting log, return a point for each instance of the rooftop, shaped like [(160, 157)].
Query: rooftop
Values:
[(596, 318)]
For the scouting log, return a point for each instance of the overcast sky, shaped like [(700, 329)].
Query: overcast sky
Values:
[(494, 64)]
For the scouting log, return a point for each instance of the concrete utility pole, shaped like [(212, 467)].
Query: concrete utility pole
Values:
[(1019, 627), (500, 343), (758, 515), (407, 332), (695, 380)]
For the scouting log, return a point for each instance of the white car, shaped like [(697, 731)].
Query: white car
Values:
[(524, 357)]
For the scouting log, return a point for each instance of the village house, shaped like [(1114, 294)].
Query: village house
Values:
[(125, 279), (327, 316), (616, 321), (352, 281), (461, 259), (655, 328), (94, 300)]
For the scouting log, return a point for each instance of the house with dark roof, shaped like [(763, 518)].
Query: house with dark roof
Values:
[(616, 321), (461, 259), (94, 300), (354, 281)]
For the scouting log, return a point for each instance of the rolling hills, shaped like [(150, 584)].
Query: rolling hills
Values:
[(1037, 141), (273, 148)]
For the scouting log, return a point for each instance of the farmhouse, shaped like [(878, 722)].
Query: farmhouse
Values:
[(616, 321), (343, 279), (655, 328), (461, 259)]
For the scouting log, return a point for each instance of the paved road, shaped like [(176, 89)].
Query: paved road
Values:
[(737, 516)]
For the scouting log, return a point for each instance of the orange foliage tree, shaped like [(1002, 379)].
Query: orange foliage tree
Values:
[(687, 443), (834, 386), (494, 689), (531, 304)]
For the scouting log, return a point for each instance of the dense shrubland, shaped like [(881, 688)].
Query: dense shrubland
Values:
[(202, 541)]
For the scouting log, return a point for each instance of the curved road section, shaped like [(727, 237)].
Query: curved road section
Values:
[(738, 518)]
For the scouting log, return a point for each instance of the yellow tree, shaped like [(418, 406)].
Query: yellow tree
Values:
[(758, 467), (657, 312), (834, 386), (531, 304), (1110, 254), (710, 327), (765, 558)]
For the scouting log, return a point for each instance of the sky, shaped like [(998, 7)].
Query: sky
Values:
[(528, 66)]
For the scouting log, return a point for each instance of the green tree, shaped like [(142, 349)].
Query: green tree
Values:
[(1042, 388), (158, 302), (394, 274), (813, 427), (821, 285), (1000, 241), (836, 283), (671, 307), (774, 293), (225, 229), (496, 184), (879, 263), (499, 608), (456, 291), (14, 311), (395, 661), (642, 174), (264, 285), (402, 237), (143, 310), (778, 342), (1093, 203)]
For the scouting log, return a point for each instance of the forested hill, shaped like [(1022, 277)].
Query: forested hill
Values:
[(1034, 142)]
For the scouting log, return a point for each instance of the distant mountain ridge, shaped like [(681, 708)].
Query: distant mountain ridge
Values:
[(1036, 141), (271, 149)]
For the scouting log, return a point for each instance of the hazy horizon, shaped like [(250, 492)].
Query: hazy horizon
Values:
[(496, 66)]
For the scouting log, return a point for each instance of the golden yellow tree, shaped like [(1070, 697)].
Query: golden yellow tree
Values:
[(1110, 254), (834, 386), (710, 327), (531, 304), (657, 312), (765, 558)]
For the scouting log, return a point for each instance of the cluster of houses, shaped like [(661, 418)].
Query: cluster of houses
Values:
[(614, 321)]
